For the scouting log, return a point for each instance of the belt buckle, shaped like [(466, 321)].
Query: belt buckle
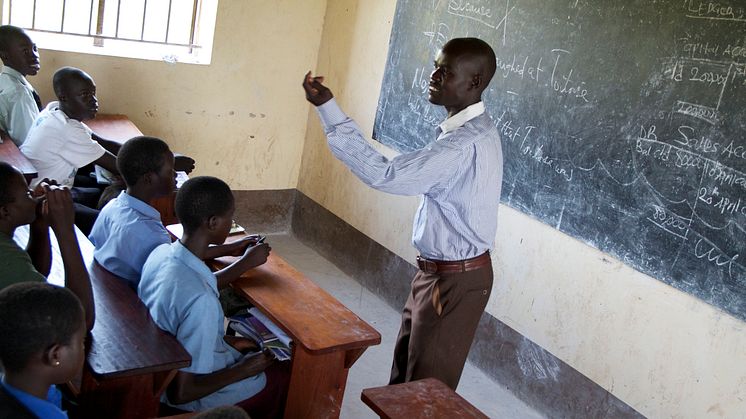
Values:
[(428, 265)]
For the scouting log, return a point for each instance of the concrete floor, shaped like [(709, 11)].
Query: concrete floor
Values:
[(372, 369)]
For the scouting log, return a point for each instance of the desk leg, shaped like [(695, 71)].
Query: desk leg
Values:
[(317, 385)]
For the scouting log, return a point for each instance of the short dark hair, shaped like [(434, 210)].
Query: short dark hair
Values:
[(140, 156), (200, 198), (8, 35), (63, 76), (35, 316), (479, 50), (7, 172)]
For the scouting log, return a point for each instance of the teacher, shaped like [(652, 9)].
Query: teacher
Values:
[(459, 176)]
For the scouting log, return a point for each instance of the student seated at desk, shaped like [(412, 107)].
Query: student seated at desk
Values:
[(181, 294), (59, 143), (128, 228), (41, 344), (47, 205), (19, 102)]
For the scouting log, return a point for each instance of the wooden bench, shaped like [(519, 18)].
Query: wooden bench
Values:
[(120, 129), (427, 398), (10, 153), (327, 337), (129, 360)]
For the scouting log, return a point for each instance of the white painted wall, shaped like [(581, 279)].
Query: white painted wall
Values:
[(241, 117)]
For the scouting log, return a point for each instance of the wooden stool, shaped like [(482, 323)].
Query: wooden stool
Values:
[(427, 398)]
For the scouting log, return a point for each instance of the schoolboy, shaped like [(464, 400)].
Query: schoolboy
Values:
[(44, 207), (128, 228), (181, 294), (59, 143), (19, 102), (41, 344)]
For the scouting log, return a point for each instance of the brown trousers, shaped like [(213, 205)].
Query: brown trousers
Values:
[(438, 325)]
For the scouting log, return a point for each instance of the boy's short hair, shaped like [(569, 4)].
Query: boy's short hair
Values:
[(63, 76), (201, 198), (35, 316), (140, 156), (7, 173), (8, 34)]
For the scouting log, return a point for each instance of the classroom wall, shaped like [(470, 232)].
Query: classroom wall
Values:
[(664, 352), (242, 117)]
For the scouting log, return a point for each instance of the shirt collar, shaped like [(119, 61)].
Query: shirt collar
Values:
[(193, 262), (16, 75), (466, 115), (53, 108), (139, 206)]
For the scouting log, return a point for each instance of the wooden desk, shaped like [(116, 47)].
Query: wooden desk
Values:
[(428, 398), (129, 361), (10, 153), (327, 337), (120, 129)]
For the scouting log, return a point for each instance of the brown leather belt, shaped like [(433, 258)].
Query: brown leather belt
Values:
[(442, 266)]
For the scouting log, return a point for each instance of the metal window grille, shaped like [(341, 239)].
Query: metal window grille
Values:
[(165, 22)]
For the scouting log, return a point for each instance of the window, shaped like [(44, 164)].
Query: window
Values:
[(169, 30)]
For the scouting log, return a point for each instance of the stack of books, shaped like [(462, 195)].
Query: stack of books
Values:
[(267, 335)]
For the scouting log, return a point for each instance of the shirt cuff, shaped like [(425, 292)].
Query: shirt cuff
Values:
[(330, 114)]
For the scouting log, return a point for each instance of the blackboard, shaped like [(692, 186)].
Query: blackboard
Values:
[(623, 123)]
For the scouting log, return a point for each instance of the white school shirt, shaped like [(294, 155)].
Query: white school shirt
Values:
[(18, 108), (57, 146)]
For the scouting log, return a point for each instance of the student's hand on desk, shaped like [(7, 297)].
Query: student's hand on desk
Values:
[(41, 220), (256, 255), (238, 247), (58, 208), (254, 364), (241, 344), (183, 163), (316, 93)]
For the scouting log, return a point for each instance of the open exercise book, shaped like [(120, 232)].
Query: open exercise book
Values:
[(257, 326)]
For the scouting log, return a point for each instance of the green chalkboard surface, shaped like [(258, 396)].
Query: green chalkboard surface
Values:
[(623, 123)]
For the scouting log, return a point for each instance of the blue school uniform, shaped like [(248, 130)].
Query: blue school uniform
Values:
[(181, 294), (125, 233), (51, 408)]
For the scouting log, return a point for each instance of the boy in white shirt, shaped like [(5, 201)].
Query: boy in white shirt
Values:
[(59, 143), (19, 102)]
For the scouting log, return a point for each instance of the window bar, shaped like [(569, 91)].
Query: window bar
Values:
[(168, 20), (119, 10), (33, 17), (10, 12), (90, 19), (144, 13), (62, 19), (191, 30), (98, 41), (185, 45)]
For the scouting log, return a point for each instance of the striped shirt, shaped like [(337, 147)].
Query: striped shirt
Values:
[(459, 176)]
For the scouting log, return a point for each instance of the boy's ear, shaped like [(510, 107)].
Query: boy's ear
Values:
[(212, 222), (51, 355), (147, 178)]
